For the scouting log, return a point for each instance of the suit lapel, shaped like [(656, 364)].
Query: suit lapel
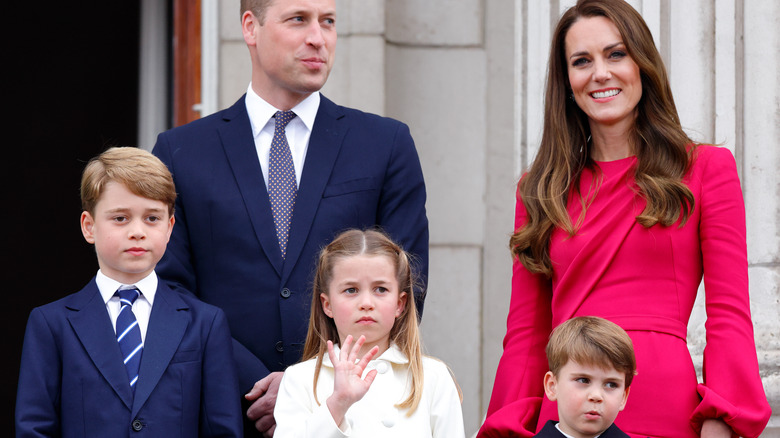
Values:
[(90, 321), (239, 146), (167, 323), (324, 144)]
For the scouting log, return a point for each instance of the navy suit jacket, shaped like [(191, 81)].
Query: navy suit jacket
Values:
[(73, 382), (360, 170)]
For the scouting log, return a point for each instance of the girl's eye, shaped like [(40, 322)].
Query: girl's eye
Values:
[(381, 290), (350, 291)]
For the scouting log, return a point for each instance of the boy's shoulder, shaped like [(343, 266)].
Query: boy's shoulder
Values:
[(184, 300), (73, 301)]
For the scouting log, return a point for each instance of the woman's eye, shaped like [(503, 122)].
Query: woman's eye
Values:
[(579, 62), (617, 54)]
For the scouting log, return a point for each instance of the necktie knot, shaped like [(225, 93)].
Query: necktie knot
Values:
[(128, 296), (282, 118)]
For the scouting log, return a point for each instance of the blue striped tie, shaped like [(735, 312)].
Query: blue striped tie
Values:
[(282, 186), (128, 334)]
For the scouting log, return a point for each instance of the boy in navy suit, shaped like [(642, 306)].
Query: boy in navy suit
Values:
[(592, 364), (127, 355)]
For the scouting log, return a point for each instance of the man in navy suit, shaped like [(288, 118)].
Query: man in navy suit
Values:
[(352, 170), (77, 379)]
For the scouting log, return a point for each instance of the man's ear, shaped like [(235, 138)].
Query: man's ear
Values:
[(87, 224), (325, 301), (551, 386), (249, 25)]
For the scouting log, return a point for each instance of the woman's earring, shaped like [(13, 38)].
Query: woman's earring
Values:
[(571, 96)]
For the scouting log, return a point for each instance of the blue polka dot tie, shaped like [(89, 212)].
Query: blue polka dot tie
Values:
[(282, 186), (128, 334)]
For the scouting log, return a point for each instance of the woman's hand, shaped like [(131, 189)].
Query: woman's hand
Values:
[(715, 428), (349, 386)]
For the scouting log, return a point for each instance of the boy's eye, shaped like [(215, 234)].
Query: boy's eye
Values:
[(613, 385), (583, 380), (120, 219), (153, 218)]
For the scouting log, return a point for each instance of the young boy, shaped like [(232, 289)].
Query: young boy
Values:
[(126, 354), (592, 364)]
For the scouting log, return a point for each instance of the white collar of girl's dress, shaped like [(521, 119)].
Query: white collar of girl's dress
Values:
[(393, 355)]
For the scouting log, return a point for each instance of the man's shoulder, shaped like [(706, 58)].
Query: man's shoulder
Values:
[(353, 114), (196, 127)]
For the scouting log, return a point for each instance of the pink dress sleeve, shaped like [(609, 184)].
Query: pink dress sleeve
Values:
[(518, 390), (732, 389)]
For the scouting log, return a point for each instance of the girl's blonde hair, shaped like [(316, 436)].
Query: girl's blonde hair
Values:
[(405, 332)]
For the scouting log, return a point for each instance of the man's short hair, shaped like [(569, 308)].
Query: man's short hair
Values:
[(594, 341), (258, 8), (138, 170)]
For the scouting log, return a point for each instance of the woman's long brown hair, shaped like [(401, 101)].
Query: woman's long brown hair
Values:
[(662, 148)]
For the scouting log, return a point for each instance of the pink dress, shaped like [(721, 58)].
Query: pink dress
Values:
[(645, 280)]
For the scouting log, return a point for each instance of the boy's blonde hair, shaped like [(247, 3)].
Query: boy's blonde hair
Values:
[(590, 340), (405, 332), (138, 170)]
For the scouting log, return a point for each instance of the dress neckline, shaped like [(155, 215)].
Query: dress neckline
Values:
[(616, 165)]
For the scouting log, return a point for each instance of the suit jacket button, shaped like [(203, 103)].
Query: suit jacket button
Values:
[(286, 293), (280, 346), (137, 425)]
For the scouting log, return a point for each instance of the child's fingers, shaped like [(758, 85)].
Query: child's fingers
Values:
[(356, 349), (367, 357), (344, 353), (370, 377), (331, 353)]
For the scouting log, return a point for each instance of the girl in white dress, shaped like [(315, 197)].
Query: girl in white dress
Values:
[(362, 308)]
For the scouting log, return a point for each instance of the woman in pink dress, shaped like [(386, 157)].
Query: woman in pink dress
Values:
[(620, 216)]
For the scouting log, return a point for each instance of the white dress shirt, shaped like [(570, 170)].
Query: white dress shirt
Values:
[(261, 117), (438, 415), (142, 307)]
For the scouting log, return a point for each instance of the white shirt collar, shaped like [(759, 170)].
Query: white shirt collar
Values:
[(108, 286), (260, 111), (567, 435)]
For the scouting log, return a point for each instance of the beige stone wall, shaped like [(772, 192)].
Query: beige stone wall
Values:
[(468, 78)]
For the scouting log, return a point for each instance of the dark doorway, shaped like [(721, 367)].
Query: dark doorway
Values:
[(73, 88)]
